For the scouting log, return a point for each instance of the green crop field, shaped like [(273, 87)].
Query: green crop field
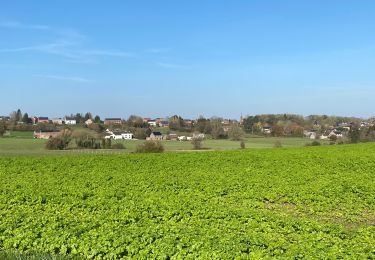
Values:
[(311, 202)]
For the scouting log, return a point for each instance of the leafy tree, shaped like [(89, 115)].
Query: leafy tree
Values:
[(25, 118), (18, 115), (79, 118), (136, 121), (251, 124), (277, 130), (97, 119), (354, 134), (202, 125), (88, 115), (176, 122), (296, 131)]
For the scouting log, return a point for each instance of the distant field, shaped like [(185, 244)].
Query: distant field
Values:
[(295, 203), (22, 143)]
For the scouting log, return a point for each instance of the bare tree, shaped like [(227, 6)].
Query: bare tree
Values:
[(236, 132)]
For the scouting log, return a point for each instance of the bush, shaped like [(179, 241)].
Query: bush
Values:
[(106, 143), (242, 145), (277, 144), (197, 143), (56, 144), (315, 143), (150, 147), (118, 146)]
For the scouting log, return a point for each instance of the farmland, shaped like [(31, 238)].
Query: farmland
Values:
[(311, 202), (22, 143)]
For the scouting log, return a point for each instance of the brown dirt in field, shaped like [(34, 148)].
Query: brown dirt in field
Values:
[(363, 219)]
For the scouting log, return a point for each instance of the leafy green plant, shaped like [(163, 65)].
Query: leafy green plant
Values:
[(210, 205)]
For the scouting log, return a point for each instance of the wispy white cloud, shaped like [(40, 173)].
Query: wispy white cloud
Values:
[(49, 48), (65, 78), (18, 25), (69, 44), (108, 53), (170, 65), (70, 51), (157, 50)]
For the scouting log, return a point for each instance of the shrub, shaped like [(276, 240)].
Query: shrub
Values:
[(277, 144), (150, 147), (242, 145), (197, 143), (118, 146), (315, 143), (106, 143), (56, 144)]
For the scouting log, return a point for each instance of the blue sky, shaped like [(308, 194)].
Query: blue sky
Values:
[(159, 58)]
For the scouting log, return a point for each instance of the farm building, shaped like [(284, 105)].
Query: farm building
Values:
[(40, 119), (112, 121), (70, 120), (172, 137), (155, 136), (151, 122), (118, 135), (89, 121), (57, 121), (163, 123), (4, 118), (46, 134)]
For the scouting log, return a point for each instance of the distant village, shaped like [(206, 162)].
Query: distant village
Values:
[(176, 128)]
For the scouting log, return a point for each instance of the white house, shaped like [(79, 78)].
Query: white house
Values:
[(336, 133), (198, 135), (118, 135), (57, 121), (182, 138), (152, 123), (70, 120), (89, 121)]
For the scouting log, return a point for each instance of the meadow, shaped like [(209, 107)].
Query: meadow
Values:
[(22, 143), (309, 202)]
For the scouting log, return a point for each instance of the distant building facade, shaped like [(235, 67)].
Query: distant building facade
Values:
[(40, 119), (70, 120), (57, 121), (155, 136), (43, 134), (112, 121)]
